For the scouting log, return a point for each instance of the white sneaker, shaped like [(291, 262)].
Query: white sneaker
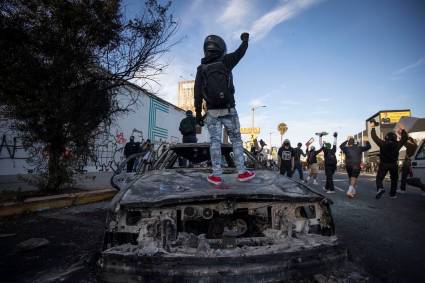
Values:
[(350, 192), (401, 191), (315, 182)]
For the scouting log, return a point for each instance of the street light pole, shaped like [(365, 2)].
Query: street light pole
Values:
[(253, 115)]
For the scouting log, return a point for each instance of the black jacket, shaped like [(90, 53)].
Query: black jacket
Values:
[(297, 154), (389, 150), (192, 120), (230, 61), (353, 154), (312, 156), (131, 148), (329, 154)]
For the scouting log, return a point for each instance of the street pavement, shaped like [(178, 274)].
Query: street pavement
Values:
[(384, 237), (26, 182)]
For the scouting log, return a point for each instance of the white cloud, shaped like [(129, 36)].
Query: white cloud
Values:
[(405, 69), (236, 12), (262, 26)]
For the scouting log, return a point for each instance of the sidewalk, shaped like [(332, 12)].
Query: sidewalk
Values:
[(88, 188), (88, 181)]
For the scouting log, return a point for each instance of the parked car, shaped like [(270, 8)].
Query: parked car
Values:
[(171, 225), (418, 167)]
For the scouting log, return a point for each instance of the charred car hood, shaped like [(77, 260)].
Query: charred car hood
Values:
[(177, 186)]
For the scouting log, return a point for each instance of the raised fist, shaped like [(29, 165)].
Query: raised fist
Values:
[(244, 36), (335, 134)]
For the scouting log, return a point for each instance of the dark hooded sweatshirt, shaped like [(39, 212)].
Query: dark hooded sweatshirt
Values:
[(230, 61), (353, 154), (389, 150)]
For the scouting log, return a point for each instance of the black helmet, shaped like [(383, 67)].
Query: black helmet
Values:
[(391, 137), (189, 113), (214, 43)]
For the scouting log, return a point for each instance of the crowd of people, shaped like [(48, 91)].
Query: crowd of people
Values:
[(389, 148)]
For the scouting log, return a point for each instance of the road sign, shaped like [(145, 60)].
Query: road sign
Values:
[(282, 128), (250, 131)]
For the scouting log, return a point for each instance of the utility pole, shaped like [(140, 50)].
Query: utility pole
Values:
[(253, 115)]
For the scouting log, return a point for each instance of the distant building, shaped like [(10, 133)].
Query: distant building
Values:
[(185, 96), (387, 120)]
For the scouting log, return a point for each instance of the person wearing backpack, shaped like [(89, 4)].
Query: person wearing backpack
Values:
[(330, 163), (214, 84), (188, 128)]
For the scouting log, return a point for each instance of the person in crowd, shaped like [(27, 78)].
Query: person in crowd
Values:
[(330, 162), (297, 160), (389, 149), (286, 159), (188, 128), (406, 168), (129, 149), (214, 84), (353, 158), (312, 164)]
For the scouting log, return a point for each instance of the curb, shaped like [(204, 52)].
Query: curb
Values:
[(35, 204)]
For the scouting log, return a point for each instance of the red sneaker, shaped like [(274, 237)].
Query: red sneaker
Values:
[(246, 176), (214, 179)]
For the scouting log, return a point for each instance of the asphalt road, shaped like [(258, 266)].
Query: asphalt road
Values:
[(385, 237)]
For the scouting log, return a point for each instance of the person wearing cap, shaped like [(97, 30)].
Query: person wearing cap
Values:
[(286, 159), (297, 160), (353, 158), (188, 128), (214, 85)]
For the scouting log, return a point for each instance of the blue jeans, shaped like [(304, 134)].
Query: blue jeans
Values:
[(231, 123)]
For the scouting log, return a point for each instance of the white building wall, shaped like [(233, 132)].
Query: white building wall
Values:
[(152, 118)]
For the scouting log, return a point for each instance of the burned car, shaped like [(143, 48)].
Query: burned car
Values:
[(171, 225)]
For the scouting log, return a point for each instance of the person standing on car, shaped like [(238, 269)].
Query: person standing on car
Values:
[(312, 164), (286, 159), (214, 84), (330, 163), (130, 148), (188, 128), (297, 160), (353, 159), (406, 168), (389, 149)]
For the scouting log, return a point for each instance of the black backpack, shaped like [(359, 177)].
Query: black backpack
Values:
[(187, 126), (217, 81)]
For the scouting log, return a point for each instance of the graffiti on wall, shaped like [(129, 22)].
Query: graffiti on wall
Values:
[(10, 147)]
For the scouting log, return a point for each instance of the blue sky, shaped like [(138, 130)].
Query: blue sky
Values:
[(316, 65)]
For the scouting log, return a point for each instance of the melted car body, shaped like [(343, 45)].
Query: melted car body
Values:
[(172, 224)]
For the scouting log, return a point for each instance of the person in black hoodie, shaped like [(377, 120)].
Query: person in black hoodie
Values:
[(312, 164), (131, 148), (353, 158), (297, 160), (389, 149), (330, 163), (286, 159), (214, 84), (188, 128)]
